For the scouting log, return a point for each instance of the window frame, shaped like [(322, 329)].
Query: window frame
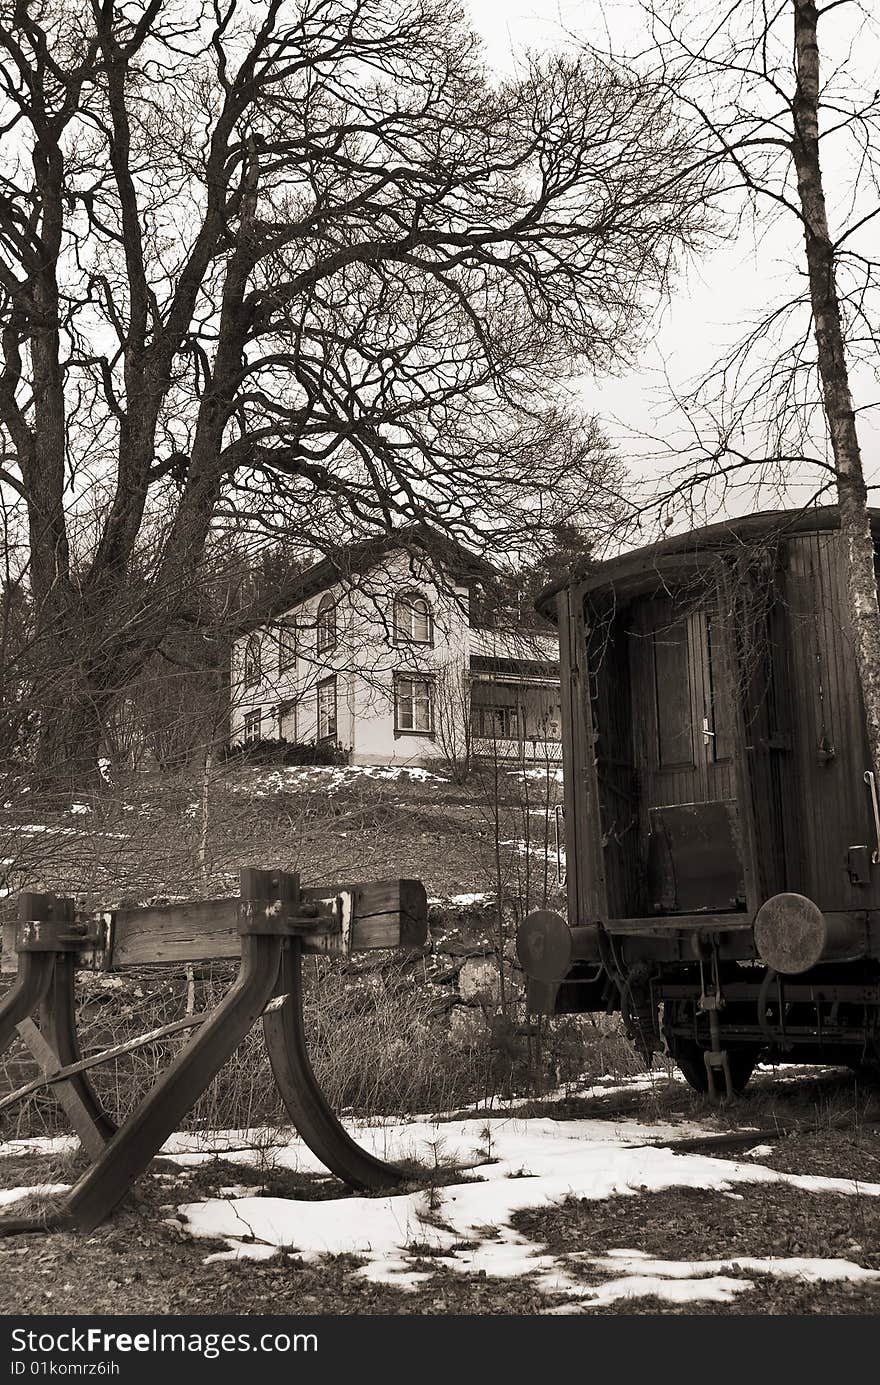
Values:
[(253, 718), (509, 712), (326, 634), (405, 676), (327, 685), (407, 600), (288, 647), (252, 664)]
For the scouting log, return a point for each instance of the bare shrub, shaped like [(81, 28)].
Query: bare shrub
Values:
[(376, 1042)]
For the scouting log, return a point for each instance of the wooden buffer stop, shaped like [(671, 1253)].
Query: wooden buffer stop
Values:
[(269, 928)]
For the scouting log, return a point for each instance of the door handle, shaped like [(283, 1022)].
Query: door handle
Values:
[(708, 735)]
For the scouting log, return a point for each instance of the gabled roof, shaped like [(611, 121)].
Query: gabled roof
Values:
[(356, 559)]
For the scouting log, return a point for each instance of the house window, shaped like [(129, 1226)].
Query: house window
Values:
[(327, 709), (253, 670), (500, 722), (413, 620), (515, 712), (413, 704), (252, 726), (287, 720), (326, 623), (286, 648)]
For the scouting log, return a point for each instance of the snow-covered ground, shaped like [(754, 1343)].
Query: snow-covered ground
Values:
[(330, 777), (499, 1164), (510, 1164)]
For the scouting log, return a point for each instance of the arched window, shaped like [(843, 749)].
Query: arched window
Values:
[(286, 648), (253, 671), (413, 619), (326, 623)]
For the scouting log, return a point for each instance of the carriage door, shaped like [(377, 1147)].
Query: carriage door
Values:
[(683, 712)]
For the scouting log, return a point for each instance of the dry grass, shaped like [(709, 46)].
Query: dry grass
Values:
[(377, 1043)]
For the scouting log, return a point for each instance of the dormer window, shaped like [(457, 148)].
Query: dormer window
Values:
[(326, 624), (253, 670), (413, 619)]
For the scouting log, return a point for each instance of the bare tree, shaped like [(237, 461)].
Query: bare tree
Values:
[(297, 265), (769, 128)]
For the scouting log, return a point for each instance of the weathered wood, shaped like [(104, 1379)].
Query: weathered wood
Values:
[(306, 1104), (585, 866), (180, 1086), (658, 926), (90, 1136), (384, 914), (388, 913)]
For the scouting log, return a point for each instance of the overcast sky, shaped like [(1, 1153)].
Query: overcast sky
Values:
[(715, 300)]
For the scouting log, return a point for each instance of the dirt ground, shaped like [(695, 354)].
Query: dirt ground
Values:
[(815, 1123)]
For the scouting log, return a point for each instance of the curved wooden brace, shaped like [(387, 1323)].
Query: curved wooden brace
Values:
[(159, 1114), (27, 991), (305, 1102), (57, 1022)]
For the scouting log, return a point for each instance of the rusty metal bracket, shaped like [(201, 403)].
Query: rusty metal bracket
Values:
[(47, 923), (271, 905)]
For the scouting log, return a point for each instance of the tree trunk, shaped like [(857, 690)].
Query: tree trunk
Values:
[(71, 727), (205, 817), (852, 493)]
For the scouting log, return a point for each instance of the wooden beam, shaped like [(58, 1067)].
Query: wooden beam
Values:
[(383, 914), (90, 1137), (584, 859), (665, 926), (58, 1078)]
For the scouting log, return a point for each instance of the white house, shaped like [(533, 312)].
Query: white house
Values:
[(374, 651)]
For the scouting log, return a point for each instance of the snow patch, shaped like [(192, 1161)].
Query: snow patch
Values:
[(332, 777), (811, 1270), (39, 1144), (514, 1165), (9, 1195), (554, 774)]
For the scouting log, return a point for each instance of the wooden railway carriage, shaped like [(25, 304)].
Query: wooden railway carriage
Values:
[(722, 830)]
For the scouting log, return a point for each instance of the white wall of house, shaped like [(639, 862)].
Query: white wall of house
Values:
[(371, 668), (389, 699)]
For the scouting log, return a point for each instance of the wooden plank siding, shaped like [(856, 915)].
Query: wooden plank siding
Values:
[(585, 863), (615, 762), (830, 740)]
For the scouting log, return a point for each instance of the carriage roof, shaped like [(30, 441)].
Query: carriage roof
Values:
[(636, 569)]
